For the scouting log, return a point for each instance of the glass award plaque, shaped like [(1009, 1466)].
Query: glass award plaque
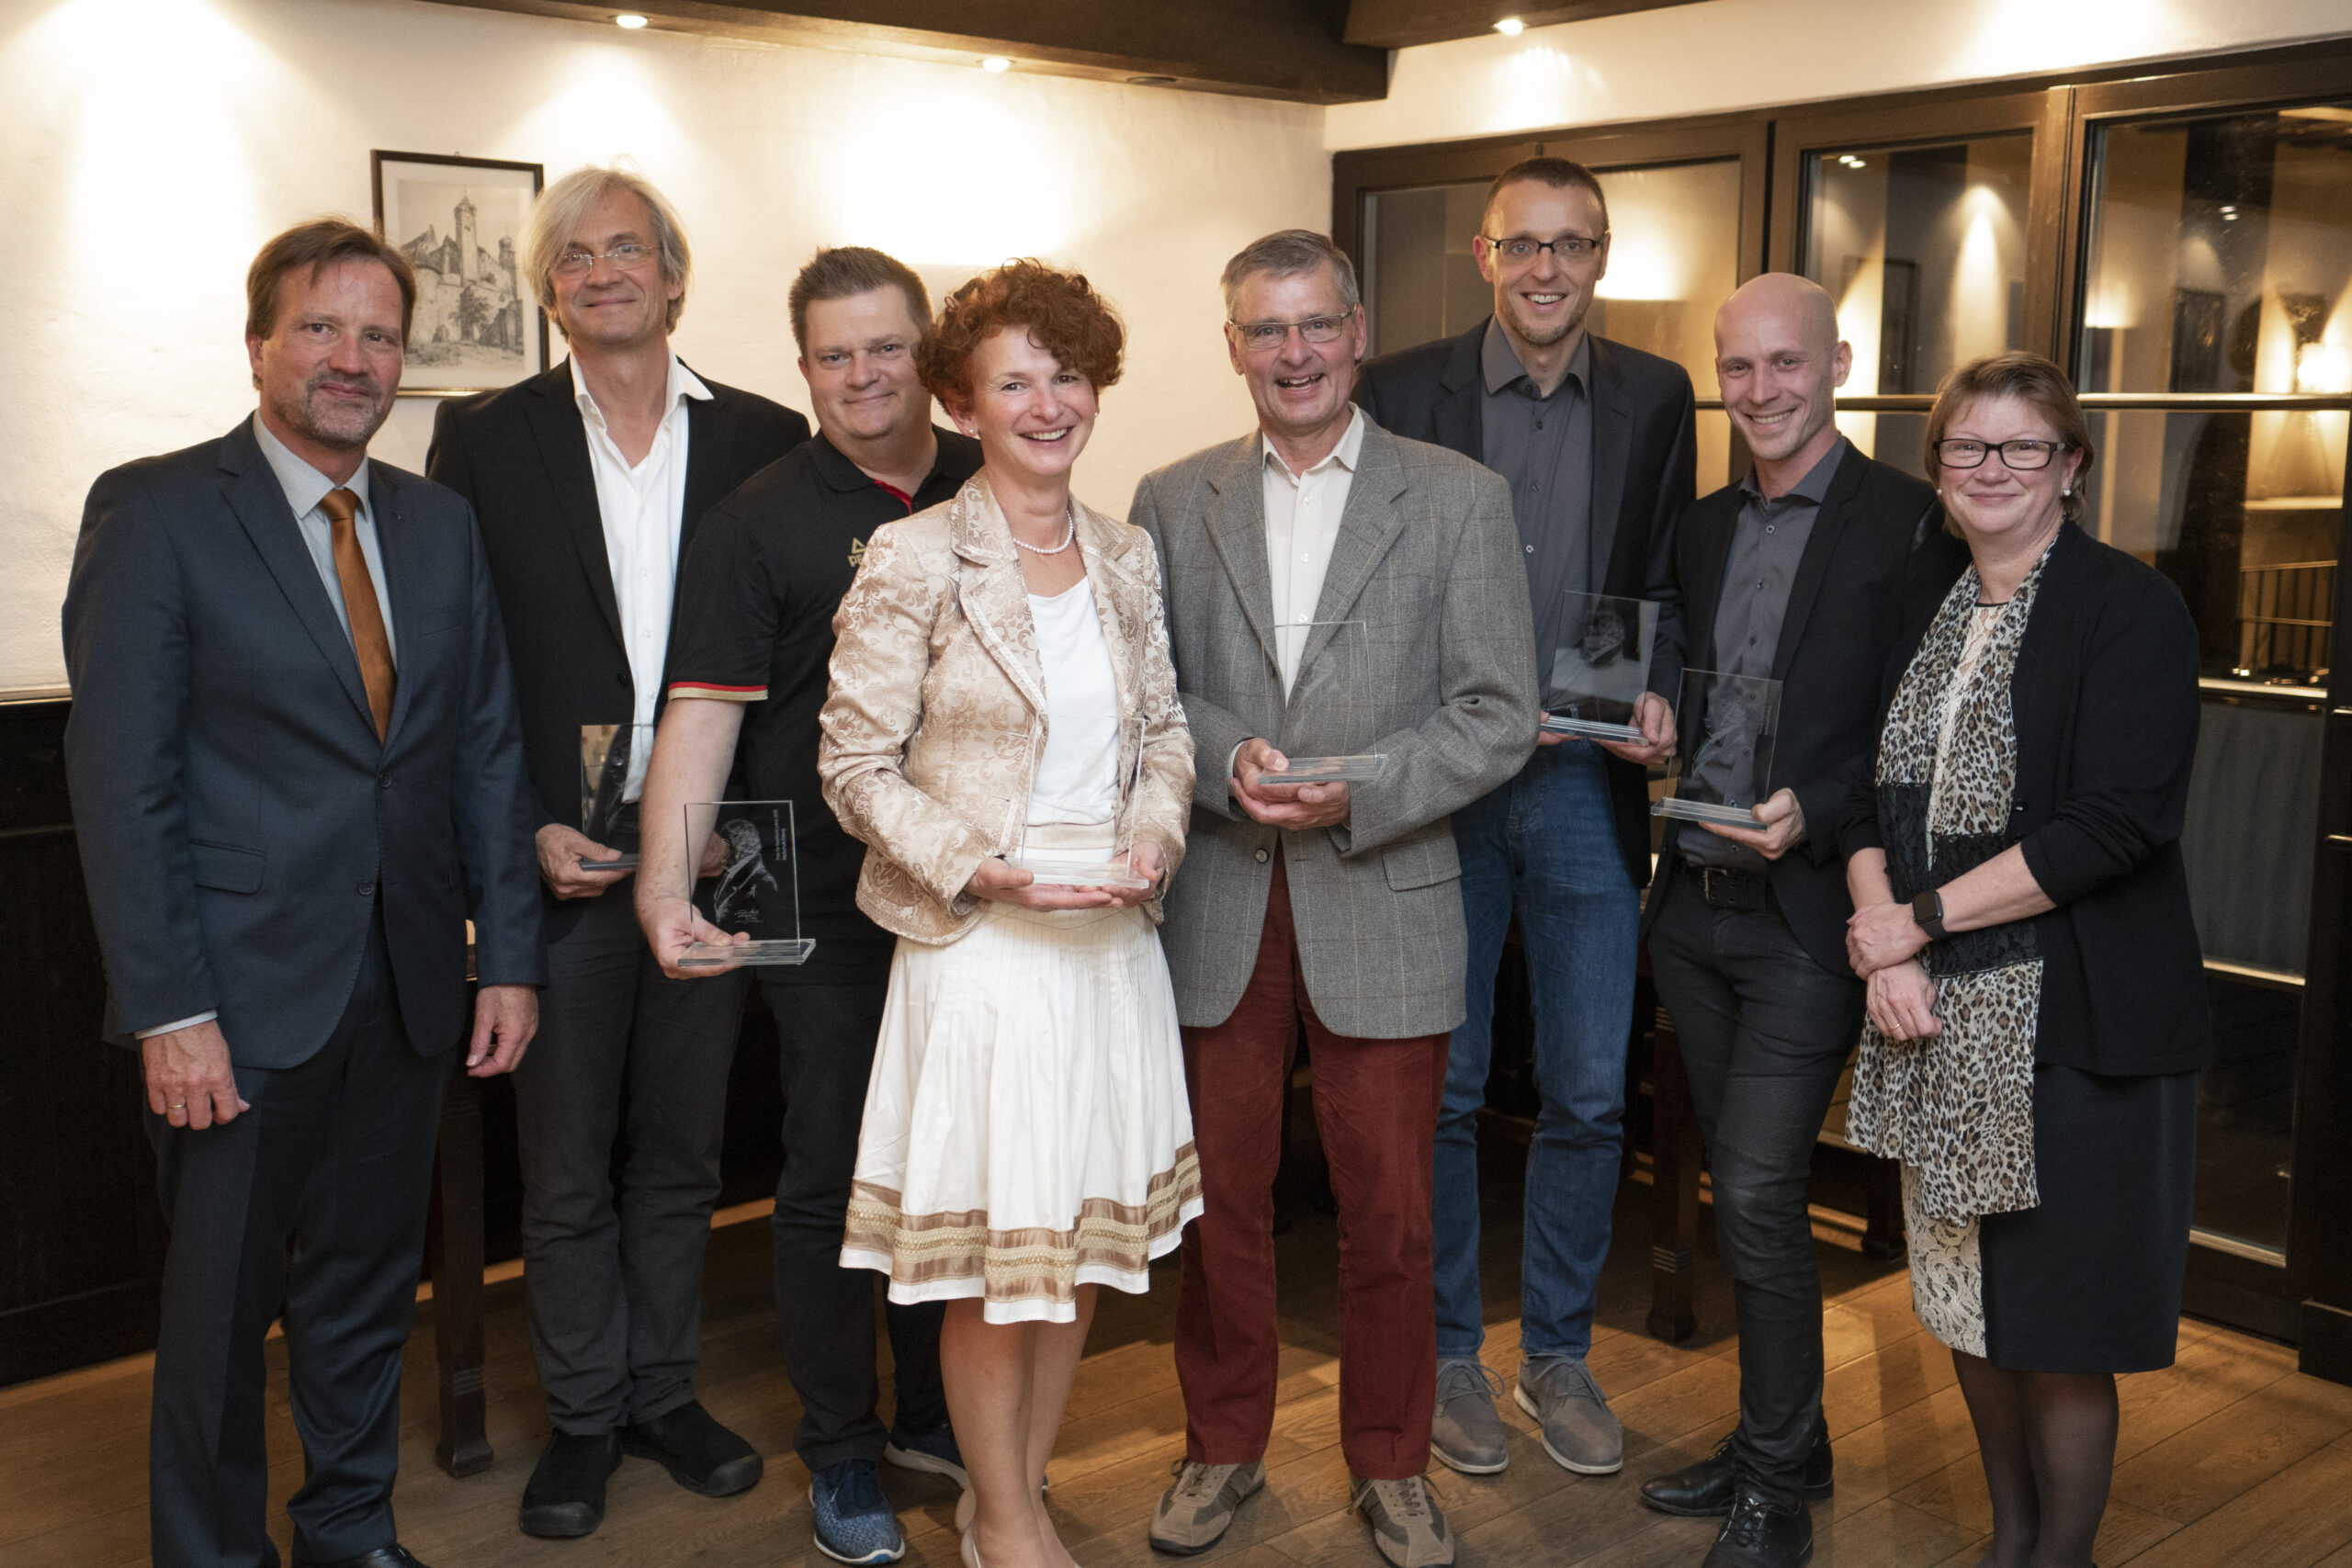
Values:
[(1600, 667), (612, 759), (1112, 749), (747, 882), (1726, 725), (1331, 691)]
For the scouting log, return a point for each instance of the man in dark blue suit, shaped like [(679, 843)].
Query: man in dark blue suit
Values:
[(296, 772)]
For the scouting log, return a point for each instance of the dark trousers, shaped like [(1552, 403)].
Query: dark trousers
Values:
[(309, 1205), (824, 1312), (624, 1056), (1765, 1032), (1375, 1107)]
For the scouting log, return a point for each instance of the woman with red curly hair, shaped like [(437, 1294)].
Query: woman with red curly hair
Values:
[(1002, 733)]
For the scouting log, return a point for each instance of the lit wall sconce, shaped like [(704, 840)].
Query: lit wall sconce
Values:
[(2323, 369)]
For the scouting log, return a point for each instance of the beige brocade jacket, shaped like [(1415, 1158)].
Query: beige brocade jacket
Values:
[(936, 715)]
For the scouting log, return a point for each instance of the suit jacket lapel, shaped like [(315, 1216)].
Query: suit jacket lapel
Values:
[(1612, 446), (992, 592), (563, 447), (396, 545), (1119, 602), (1828, 522), (710, 445), (1367, 528), (1712, 524), (1459, 419), (253, 493), (1237, 526)]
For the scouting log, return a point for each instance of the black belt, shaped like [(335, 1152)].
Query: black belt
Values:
[(1731, 887)]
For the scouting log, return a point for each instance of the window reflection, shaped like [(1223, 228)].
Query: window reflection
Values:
[(1924, 250)]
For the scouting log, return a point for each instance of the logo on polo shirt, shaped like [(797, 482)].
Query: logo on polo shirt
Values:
[(857, 552)]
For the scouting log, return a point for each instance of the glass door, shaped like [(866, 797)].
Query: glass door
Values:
[(2212, 343)]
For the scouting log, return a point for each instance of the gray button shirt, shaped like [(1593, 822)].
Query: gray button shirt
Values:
[(305, 487), (1768, 541), (1543, 447)]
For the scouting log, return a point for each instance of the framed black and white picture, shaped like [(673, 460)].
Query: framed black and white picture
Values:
[(459, 221)]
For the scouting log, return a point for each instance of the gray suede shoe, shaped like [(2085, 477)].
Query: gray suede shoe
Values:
[(1406, 1524), (1466, 1435), (1579, 1432), (1197, 1510)]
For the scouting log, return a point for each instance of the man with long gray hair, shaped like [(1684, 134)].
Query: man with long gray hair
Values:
[(1332, 906), (589, 481)]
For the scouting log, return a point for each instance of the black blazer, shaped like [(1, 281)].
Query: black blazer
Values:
[(2106, 704), (1878, 549), (520, 455), (1643, 461), (237, 816)]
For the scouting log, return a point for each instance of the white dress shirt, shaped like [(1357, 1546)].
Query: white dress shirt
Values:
[(1303, 512), (1076, 776), (643, 509)]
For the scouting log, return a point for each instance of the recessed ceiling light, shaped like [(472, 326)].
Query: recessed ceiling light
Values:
[(628, 20), (995, 62), (1151, 80), (1511, 26)]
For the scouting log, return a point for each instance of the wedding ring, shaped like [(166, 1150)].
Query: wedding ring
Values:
[(179, 1105)]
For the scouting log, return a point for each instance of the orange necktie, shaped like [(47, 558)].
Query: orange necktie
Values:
[(369, 640)]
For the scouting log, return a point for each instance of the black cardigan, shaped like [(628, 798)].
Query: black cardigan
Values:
[(2106, 705)]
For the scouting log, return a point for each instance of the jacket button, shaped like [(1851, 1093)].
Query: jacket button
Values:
[(365, 889), (620, 678), (1262, 857), (383, 781)]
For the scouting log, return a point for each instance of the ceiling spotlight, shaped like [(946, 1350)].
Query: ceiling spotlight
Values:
[(628, 20), (1151, 80), (1511, 26), (996, 62)]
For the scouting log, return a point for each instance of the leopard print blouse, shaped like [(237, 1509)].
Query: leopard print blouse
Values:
[(1957, 1110)]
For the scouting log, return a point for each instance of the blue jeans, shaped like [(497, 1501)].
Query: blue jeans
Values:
[(1547, 842)]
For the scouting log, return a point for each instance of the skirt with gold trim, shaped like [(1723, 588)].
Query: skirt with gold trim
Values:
[(1027, 1129)]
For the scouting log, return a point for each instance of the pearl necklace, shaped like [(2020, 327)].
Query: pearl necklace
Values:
[(1069, 536)]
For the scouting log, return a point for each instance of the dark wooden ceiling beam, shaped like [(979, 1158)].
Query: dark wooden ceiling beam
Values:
[(1399, 24), (1266, 49)]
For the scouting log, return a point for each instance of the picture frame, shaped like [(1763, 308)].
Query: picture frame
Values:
[(459, 221)]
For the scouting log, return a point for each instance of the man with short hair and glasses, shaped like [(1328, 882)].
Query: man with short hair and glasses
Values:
[(590, 481), (1330, 908), (1595, 441)]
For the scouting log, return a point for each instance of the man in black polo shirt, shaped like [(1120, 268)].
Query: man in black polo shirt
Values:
[(752, 634)]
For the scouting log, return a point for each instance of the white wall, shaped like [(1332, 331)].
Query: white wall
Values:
[(1735, 54), (150, 146)]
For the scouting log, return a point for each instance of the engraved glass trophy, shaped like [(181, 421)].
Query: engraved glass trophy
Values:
[(1110, 748), (1724, 729), (1331, 696), (1600, 667), (612, 767), (746, 880)]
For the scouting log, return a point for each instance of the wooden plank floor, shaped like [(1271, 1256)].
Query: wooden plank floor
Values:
[(2230, 1457)]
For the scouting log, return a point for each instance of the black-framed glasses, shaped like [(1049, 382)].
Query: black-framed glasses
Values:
[(628, 255), (1264, 337), (2020, 457), (1520, 249)]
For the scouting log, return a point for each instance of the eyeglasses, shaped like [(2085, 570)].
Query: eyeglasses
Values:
[(2020, 457), (626, 256), (1520, 249), (1264, 337)]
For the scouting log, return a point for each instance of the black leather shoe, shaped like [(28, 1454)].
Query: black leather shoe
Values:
[(1703, 1490), (565, 1496), (700, 1454), (1761, 1534), (393, 1556)]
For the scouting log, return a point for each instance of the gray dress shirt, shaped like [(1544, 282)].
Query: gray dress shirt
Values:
[(1767, 542), (305, 487), (1543, 447)]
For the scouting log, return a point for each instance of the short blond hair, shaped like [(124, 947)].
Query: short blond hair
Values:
[(562, 206), (2031, 379)]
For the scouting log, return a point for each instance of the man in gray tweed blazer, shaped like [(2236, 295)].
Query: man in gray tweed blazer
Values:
[(1332, 905)]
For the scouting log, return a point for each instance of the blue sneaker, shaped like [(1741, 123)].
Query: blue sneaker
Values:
[(933, 1452), (854, 1523)]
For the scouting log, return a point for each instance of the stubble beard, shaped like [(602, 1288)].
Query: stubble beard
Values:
[(338, 428), (1545, 337)]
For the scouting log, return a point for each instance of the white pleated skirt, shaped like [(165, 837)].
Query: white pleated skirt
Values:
[(1026, 1130)]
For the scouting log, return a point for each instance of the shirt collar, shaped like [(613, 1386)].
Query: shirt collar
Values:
[(684, 383), (1347, 454), (1500, 367), (1813, 487), (304, 485)]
